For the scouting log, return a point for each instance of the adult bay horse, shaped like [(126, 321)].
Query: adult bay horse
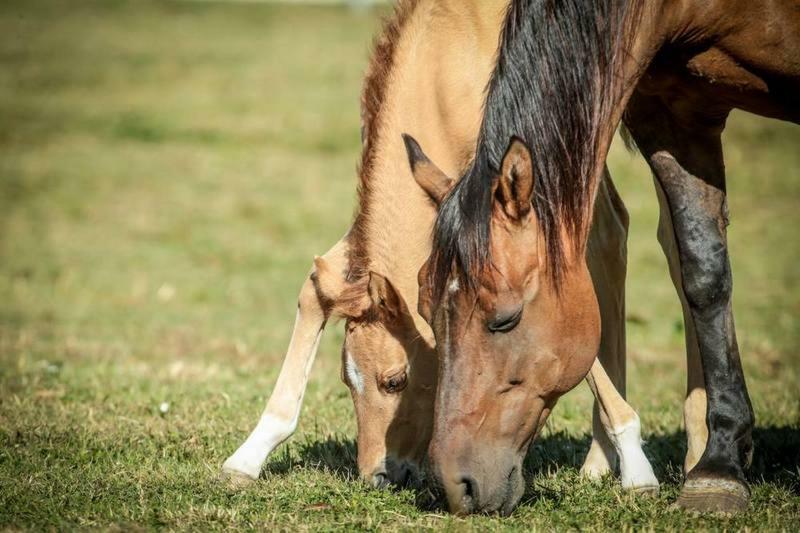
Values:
[(506, 288), (369, 278)]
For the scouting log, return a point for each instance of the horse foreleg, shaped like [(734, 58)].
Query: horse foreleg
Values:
[(681, 141), (694, 406)]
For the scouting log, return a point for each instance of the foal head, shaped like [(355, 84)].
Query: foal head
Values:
[(509, 344), (391, 372)]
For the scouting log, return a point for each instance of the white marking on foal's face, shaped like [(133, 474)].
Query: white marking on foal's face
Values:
[(354, 374)]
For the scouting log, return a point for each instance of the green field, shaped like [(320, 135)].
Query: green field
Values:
[(167, 172)]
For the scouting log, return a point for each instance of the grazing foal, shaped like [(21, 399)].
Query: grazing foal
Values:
[(370, 277), (507, 287)]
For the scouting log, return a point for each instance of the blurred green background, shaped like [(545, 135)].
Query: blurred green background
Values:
[(167, 172)]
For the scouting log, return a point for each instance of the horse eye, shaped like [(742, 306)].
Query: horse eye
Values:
[(396, 383), (505, 323)]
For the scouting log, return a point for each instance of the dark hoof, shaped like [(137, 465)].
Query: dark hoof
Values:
[(710, 495), (235, 480)]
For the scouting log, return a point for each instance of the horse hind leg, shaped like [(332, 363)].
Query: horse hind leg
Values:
[(689, 171)]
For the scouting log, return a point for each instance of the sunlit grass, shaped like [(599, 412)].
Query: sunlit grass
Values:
[(167, 172)]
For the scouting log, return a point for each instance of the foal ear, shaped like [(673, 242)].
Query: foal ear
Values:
[(329, 282), (384, 297), (515, 183), (347, 299), (428, 176)]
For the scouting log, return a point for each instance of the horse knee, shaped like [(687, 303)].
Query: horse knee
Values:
[(706, 275)]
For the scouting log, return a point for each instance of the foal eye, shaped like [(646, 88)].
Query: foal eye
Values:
[(395, 383), (505, 323)]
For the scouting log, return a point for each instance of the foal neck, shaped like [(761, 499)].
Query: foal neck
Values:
[(440, 64)]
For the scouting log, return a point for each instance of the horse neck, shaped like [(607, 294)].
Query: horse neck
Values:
[(441, 65), (658, 20), (543, 91)]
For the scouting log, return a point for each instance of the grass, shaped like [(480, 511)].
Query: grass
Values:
[(167, 172)]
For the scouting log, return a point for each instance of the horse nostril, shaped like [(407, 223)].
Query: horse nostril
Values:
[(462, 494), (470, 495)]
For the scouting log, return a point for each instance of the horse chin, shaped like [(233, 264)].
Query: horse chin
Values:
[(507, 496), (515, 490)]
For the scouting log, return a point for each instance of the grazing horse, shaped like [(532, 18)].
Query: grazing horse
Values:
[(369, 278), (506, 288)]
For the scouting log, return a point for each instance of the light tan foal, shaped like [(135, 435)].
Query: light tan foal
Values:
[(442, 52)]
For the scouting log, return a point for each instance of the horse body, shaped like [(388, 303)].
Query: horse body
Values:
[(716, 56), (427, 78), (566, 73)]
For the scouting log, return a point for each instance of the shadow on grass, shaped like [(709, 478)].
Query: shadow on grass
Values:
[(776, 460), (333, 454), (776, 457)]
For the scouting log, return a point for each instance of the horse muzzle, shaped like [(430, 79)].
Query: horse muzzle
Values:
[(492, 483)]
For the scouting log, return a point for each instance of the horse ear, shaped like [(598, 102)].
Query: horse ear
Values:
[(514, 187), (432, 180), (424, 307), (384, 297)]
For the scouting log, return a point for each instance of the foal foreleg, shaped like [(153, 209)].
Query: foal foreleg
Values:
[(607, 259), (621, 424), (279, 419), (616, 427)]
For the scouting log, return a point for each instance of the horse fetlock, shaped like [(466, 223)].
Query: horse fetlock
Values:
[(636, 473)]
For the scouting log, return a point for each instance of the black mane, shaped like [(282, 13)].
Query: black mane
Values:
[(553, 86)]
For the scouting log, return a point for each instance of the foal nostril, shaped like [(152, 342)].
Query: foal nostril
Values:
[(380, 479)]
